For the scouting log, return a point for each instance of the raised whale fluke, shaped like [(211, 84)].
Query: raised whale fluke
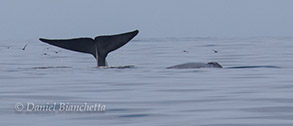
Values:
[(99, 47)]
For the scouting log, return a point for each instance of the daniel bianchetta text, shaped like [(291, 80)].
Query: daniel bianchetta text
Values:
[(59, 107)]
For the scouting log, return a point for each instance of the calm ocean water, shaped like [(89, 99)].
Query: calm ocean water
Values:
[(255, 87)]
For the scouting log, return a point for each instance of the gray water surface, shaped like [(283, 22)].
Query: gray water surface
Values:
[(253, 89)]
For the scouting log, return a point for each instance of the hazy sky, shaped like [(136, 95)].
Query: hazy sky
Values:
[(30, 19)]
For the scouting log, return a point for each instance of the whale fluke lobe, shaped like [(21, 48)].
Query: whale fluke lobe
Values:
[(84, 45), (113, 42), (107, 44), (99, 47)]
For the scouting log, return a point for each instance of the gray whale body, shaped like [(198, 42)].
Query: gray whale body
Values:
[(196, 65), (99, 47)]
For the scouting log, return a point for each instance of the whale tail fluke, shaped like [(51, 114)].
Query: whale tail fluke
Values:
[(100, 47), (107, 44)]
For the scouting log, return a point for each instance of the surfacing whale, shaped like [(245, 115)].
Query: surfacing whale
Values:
[(195, 65), (198, 65), (99, 47)]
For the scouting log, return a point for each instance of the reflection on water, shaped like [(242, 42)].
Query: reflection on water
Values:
[(253, 89)]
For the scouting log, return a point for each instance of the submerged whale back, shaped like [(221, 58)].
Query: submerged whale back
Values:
[(194, 65)]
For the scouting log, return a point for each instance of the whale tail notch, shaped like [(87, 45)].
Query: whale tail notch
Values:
[(100, 47)]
